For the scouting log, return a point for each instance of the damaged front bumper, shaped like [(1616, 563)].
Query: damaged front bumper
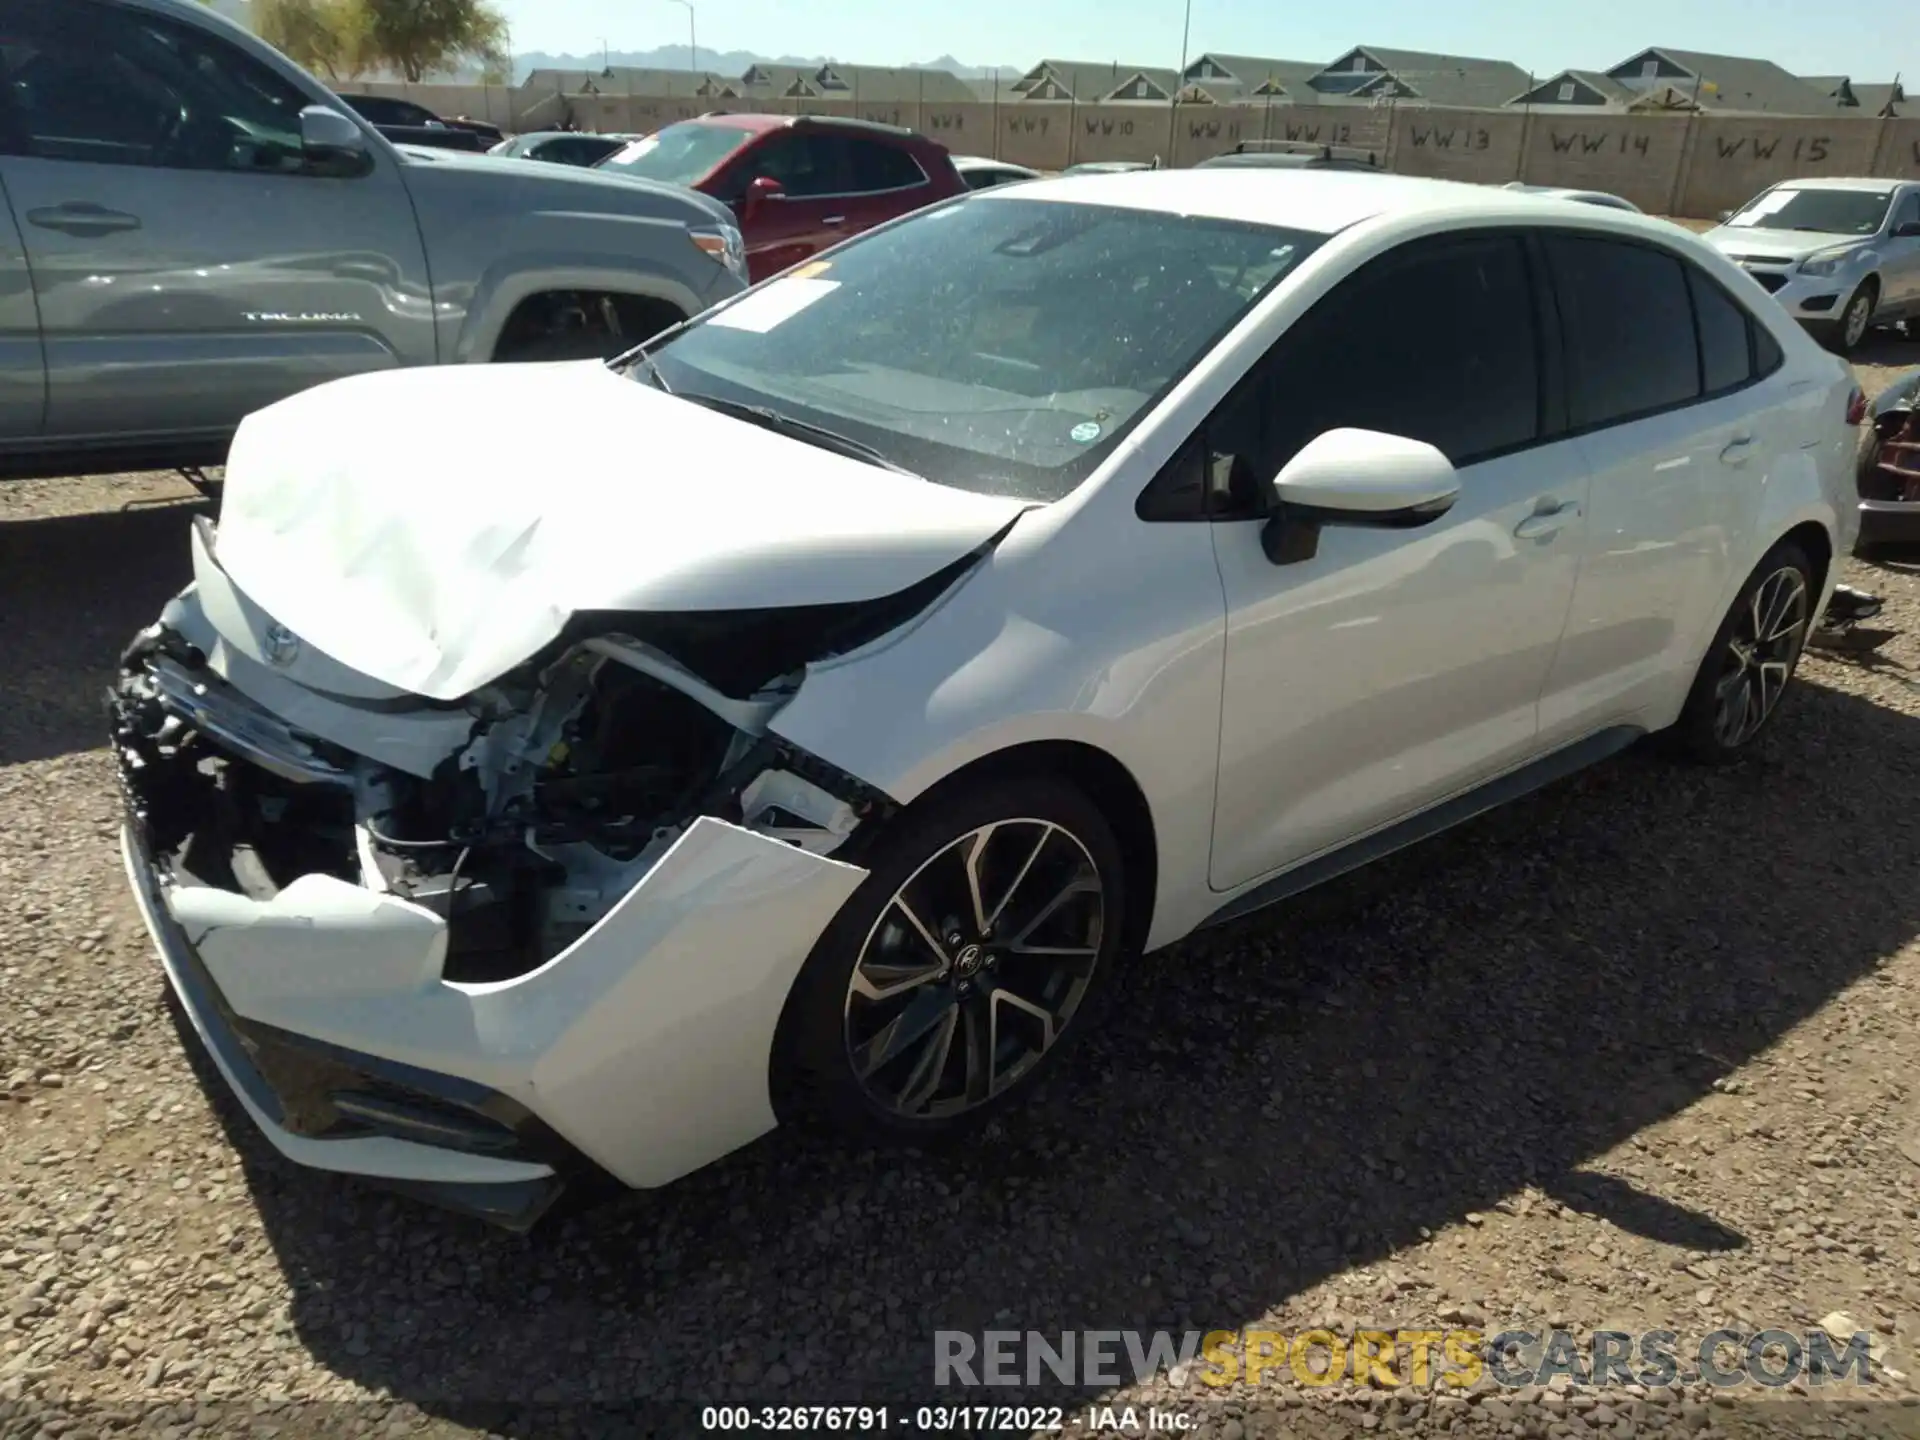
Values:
[(640, 1050)]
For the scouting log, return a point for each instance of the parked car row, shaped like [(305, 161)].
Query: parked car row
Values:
[(230, 233), (406, 123)]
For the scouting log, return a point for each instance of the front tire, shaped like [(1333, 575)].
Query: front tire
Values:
[(970, 955), (1752, 659), (1846, 334)]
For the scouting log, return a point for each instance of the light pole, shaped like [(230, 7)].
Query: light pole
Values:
[(693, 44), (606, 59), (1186, 32)]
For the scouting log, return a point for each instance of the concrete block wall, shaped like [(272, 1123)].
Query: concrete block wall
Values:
[(1692, 166)]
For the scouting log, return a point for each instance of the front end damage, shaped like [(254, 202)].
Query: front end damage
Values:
[(480, 949)]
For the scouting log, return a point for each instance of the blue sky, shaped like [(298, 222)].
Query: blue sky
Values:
[(1867, 39)]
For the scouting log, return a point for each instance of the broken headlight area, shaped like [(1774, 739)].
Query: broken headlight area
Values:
[(579, 771)]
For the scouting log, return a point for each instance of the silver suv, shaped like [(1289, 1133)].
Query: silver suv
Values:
[(1842, 255), (191, 227)]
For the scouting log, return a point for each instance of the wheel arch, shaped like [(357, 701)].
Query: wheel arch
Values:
[(499, 298), (1106, 782), (1814, 538)]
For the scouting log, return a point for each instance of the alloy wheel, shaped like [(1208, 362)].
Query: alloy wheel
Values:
[(974, 968), (1853, 325), (1768, 632)]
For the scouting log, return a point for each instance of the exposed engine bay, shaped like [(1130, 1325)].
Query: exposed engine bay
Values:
[(577, 771)]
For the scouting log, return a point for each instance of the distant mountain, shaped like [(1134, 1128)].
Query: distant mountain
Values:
[(724, 62)]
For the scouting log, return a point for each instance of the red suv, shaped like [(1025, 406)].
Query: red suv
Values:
[(799, 183)]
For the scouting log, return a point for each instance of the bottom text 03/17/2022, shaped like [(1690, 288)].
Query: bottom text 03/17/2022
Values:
[(939, 1419)]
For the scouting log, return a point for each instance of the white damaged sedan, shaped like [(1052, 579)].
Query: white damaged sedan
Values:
[(562, 772)]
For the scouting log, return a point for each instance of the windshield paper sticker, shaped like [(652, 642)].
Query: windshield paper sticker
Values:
[(1085, 433), (1773, 200), (774, 304)]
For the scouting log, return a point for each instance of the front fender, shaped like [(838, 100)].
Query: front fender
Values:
[(1049, 642)]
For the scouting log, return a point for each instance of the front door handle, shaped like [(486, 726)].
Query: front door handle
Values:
[(1546, 522), (80, 217), (834, 220), (1737, 450)]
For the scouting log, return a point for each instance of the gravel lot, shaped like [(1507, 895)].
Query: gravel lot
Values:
[(1634, 1053)]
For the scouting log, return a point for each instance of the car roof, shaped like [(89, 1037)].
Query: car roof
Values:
[(1282, 160), (1837, 182), (1570, 192), (987, 162), (1317, 199), (764, 124)]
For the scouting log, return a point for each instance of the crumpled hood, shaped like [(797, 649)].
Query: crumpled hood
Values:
[(1764, 244), (433, 528)]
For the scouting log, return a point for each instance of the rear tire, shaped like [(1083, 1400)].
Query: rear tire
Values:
[(961, 967), (1751, 661)]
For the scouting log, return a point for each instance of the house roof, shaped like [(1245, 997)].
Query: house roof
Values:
[(867, 84), (1616, 95), (1733, 82), (634, 80), (1878, 98), (1865, 98), (1089, 81), (1462, 80), (1252, 75)]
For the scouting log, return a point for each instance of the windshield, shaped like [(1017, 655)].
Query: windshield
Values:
[(1826, 212), (998, 344), (680, 154)]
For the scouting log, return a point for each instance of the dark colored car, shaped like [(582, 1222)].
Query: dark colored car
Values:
[(1291, 155), (1890, 467), (406, 123), (799, 183), (563, 147)]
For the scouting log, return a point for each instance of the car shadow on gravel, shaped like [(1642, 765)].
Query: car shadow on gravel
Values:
[(74, 589), (1317, 1087)]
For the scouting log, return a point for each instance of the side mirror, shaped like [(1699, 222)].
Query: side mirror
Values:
[(1354, 477), (1725, 215), (332, 144), (760, 190), (1906, 230)]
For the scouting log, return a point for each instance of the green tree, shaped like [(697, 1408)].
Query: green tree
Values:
[(328, 37), (417, 37)]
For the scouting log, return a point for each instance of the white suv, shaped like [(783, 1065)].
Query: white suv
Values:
[(864, 689)]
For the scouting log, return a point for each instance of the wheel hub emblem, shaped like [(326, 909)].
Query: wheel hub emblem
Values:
[(967, 963), (281, 645)]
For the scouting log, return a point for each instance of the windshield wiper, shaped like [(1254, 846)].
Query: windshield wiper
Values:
[(767, 418), (650, 367)]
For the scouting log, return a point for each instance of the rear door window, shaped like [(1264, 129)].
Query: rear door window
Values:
[(1629, 319), (879, 166)]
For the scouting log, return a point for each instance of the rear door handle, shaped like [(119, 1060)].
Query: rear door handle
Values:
[(834, 220), (1737, 450), (81, 217), (1546, 522)]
